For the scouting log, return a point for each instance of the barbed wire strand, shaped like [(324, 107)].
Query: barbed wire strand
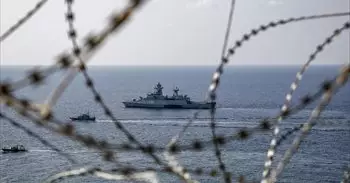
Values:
[(89, 141), (198, 145), (176, 166), (288, 98), (33, 73), (326, 98), (21, 21), (148, 176), (263, 125), (216, 76), (93, 42), (36, 136), (287, 134), (226, 175), (12, 100), (228, 27), (346, 176), (117, 20), (98, 97), (125, 172), (67, 130), (172, 162), (297, 108), (64, 59), (254, 32)]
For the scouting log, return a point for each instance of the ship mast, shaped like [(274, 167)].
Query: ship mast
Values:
[(176, 91), (158, 89)]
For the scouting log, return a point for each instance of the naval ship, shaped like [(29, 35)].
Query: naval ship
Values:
[(158, 101), (83, 117)]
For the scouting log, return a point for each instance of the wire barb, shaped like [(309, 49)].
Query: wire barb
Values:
[(289, 95)]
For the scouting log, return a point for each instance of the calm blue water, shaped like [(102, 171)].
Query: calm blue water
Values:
[(246, 95)]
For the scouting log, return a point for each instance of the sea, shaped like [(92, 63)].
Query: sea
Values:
[(246, 95)]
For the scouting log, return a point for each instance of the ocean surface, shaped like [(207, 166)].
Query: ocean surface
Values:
[(247, 94)]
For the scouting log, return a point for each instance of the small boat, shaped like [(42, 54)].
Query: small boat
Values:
[(14, 149), (83, 117)]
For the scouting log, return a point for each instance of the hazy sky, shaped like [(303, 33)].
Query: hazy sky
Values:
[(177, 32)]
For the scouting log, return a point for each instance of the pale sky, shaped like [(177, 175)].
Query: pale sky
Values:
[(177, 32)]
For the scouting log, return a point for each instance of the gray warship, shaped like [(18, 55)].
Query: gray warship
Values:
[(83, 117), (157, 100)]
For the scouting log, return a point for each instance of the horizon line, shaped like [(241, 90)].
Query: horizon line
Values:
[(206, 65)]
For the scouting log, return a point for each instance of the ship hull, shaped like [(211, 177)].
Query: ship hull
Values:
[(167, 106), (12, 151), (78, 119)]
